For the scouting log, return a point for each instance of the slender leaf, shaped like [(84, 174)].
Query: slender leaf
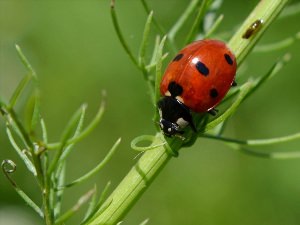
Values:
[(23, 156), (120, 35), (97, 168), (144, 42), (142, 138), (7, 171), (156, 23), (144, 222), (65, 136), (214, 27), (159, 69), (290, 10), (201, 12), (244, 90), (25, 61), (20, 88), (59, 180), (78, 129), (277, 45), (256, 142), (81, 201), (183, 19), (97, 206), (92, 204), (269, 155)]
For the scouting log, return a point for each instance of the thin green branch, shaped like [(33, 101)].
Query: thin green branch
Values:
[(33, 110), (267, 11), (290, 10), (12, 119), (214, 27), (64, 139), (276, 67), (183, 18), (143, 138), (92, 204), (170, 42), (201, 12), (44, 131), (268, 155), (20, 88), (92, 125), (97, 168), (244, 90), (81, 201), (158, 72), (23, 156), (157, 24), (287, 42), (95, 207), (58, 179), (255, 142), (78, 129), (25, 62), (144, 43), (119, 33), (9, 167), (145, 222)]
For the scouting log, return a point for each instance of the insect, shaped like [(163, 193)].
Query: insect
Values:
[(196, 80), (255, 26)]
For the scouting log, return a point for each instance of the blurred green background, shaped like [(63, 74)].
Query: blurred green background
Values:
[(76, 54)]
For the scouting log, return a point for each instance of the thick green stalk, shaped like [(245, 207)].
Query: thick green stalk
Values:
[(151, 163), (266, 11)]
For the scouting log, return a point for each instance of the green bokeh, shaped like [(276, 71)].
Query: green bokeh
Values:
[(76, 54)]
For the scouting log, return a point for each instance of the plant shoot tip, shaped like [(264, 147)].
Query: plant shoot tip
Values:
[(8, 166), (103, 93), (84, 106), (112, 4)]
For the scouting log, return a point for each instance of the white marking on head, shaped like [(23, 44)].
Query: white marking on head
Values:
[(195, 60), (181, 122), (169, 129), (179, 98), (167, 93)]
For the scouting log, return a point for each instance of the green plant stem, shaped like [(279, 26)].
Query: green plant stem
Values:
[(136, 182), (182, 19), (151, 163), (267, 11)]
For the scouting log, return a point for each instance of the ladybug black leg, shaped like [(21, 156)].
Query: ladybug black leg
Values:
[(213, 112), (234, 84)]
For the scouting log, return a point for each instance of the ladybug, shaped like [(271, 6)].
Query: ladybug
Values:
[(197, 79)]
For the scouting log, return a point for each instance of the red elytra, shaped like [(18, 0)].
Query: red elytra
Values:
[(204, 70)]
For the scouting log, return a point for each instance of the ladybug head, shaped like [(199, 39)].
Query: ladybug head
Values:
[(170, 129), (174, 116)]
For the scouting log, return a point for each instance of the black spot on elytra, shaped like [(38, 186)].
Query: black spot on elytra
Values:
[(202, 68), (228, 59), (178, 57), (213, 93), (175, 89)]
